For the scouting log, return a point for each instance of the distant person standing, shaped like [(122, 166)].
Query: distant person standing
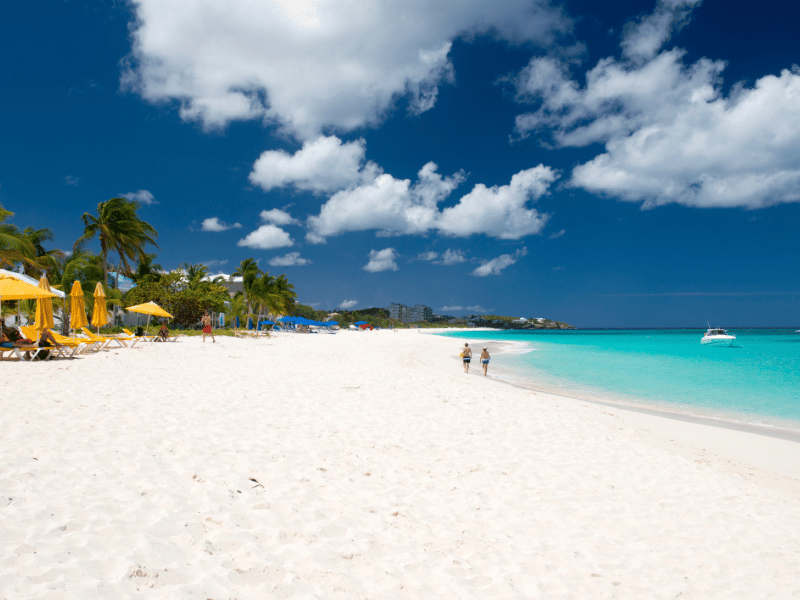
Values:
[(485, 360), (466, 357), (206, 321)]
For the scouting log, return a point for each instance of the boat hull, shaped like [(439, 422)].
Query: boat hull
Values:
[(718, 342)]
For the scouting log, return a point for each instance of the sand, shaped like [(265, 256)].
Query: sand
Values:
[(367, 465)]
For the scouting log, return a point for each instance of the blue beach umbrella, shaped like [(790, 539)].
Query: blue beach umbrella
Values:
[(249, 322), (237, 322), (360, 323)]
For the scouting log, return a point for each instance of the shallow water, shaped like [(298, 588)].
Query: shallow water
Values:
[(757, 382)]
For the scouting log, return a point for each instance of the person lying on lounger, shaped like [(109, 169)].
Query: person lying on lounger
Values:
[(163, 333), (46, 340)]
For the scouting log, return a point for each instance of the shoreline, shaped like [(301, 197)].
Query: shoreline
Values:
[(366, 464), (771, 456)]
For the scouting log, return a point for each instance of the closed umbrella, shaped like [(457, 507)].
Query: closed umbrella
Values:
[(100, 314), (149, 309), (77, 317), (44, 308)]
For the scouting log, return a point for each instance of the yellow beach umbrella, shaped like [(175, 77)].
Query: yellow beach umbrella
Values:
[(77, 318), (44, 308), (149, 308), (100, 314), (12, 288)]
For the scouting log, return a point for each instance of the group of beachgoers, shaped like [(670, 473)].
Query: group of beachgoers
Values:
[(10, 337), (466, 357)]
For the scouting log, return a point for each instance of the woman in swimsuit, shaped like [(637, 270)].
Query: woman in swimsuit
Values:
[(485, 360)]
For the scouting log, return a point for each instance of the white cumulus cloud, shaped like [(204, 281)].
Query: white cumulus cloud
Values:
[(496, 265), (670, 134), (428, 256), (347, 304), (266, 237), (452, 257), (643, 38), (449, 308), (140, 196), (293, 259), (556, 234), (214, 224), (382, 260), (306, 64), (395, 206), (277, 216), (321, 165)]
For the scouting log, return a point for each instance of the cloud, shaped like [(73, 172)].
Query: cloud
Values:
[(429, 256), (382, 260), (452, 257), (670, 134), (556, 234), (277, 216), (305, 64), (266, 237), (496, 265), (348, 304), (214, 263), (142, 197), (641, 39), (557, 269), (292, 259), (214, 224), (395, 206), (322, 165), (476, 309), (453, 308), (72, 181)]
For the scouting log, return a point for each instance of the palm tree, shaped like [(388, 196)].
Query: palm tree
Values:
[(195, 275), (48, 260), (145, 268), (249, 272), (120, 230), (15, 246)]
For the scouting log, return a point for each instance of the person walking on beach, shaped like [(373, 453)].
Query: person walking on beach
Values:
[(466, 356), (206, 321), (485, 360)]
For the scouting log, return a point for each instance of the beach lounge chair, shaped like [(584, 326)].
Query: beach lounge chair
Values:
[(19, 352), (100, 338), (143, 338), (69, 346)]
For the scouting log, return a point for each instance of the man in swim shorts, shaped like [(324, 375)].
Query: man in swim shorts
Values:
[(466, 356), (485, 360)]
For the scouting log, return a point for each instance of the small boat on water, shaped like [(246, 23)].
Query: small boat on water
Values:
[(717, 337)]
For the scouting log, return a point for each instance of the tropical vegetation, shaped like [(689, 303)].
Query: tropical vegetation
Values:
[(124, 240)]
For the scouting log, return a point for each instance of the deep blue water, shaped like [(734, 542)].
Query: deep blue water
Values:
[(756, 382)]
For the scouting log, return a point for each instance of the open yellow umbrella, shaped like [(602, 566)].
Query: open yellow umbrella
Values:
[(12, 288), (44, 308), (100, 314), (77, 318), (149, 308)]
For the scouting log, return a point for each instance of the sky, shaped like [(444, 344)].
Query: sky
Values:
[(625, 164)]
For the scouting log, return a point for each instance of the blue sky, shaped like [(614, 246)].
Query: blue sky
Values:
[(632, 165)]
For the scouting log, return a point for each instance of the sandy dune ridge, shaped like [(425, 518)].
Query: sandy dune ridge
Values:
[(360, 465)]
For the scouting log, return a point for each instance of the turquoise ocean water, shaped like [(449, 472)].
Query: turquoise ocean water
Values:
[(756, 383)]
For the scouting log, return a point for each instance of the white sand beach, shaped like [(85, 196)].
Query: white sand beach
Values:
[(367, 465)]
